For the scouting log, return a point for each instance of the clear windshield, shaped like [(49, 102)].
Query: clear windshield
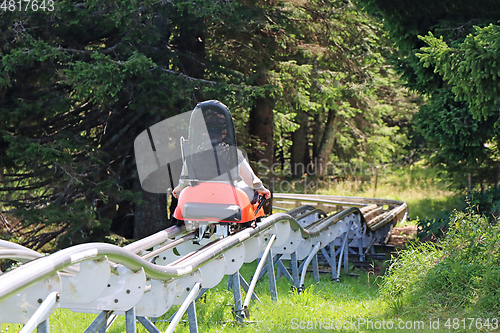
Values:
[(210, 152)]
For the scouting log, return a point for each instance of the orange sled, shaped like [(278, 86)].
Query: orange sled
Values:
[(216, 202)]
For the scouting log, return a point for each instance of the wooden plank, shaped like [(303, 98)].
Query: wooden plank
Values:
[(373, 213), (366, 209)]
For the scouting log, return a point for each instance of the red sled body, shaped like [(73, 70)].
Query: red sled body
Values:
[(215, 202)]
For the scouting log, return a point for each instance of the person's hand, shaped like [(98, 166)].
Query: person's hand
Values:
[(265, 192), (176, 191)]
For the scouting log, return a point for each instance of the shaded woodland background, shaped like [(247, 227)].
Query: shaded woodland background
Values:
[(311, 83)]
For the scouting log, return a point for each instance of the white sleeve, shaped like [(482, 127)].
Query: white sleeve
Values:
[(183, 183), (248, 176)]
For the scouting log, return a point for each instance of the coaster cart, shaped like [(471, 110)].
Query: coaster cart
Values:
[(211, 202)]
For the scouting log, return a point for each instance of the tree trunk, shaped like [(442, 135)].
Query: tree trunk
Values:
[(151, 215), (326, 144), (190, 44), (300, 157), (317, 130), (261, 129)]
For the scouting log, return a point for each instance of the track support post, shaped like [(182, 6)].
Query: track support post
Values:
[(271, 276), (333, 262), (306, 263), (148, 325), (295, 269), (267, 259), (315, 268), (43, 327), (235, 284), (193, 321), (130, 320), (187, 303)]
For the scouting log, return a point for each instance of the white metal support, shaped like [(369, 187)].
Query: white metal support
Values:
[(260, 266), (187, 302), (46, 308), (306, 263), (271, 276), (202, 291), (315, 268), (343, 254), (346, 250), (333, 259), (246, 286)]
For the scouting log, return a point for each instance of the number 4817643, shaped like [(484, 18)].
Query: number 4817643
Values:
[(471, 323), (27, 5)]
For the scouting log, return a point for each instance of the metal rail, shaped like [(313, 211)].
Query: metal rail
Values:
[(395, 208), (307, 227), (19, 255), (14, 281), (155, 239)]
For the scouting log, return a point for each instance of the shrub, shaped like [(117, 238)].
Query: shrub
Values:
[(461, 271), (486, 203)]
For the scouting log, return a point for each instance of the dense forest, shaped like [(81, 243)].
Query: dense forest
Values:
[(310, 84), (448, 53)]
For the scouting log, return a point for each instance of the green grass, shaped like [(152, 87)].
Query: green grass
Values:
[(460, 278)]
